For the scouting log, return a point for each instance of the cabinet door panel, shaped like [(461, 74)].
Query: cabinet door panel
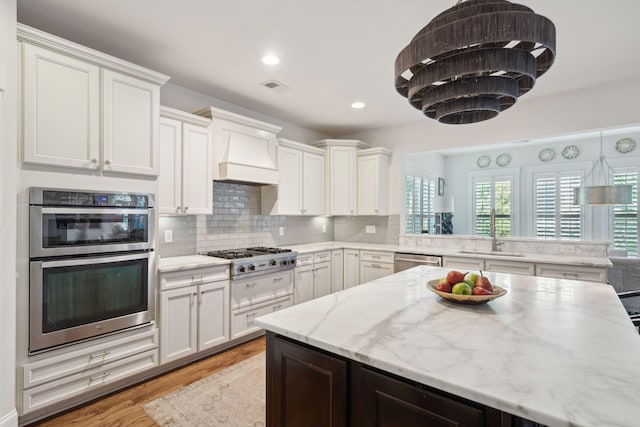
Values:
[(313, 180), (131, 110), (342, 181), (61, 110), (197, 184), (213, 314), (337, 270), (371, 270), (321, 279), (179, 319), (170, 178), (385, 401), (308, 388), (290, 186), (303, 286), (368, 185)]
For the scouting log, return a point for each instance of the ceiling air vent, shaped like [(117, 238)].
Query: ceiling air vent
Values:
[(276, 86)]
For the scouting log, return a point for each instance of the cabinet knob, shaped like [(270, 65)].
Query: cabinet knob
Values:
[(94, 160), (107, 162), (177, 209), (186, 208)]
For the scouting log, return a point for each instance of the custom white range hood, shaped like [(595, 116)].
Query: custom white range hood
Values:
[(245, 150)]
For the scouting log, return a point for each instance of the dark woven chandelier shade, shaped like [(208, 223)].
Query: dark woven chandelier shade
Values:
[(474, 60)]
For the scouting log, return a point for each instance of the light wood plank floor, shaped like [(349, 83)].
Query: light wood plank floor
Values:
[(124, 408)]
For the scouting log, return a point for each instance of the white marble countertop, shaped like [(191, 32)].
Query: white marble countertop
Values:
[(558, 352), (188, 262), (528, 257)]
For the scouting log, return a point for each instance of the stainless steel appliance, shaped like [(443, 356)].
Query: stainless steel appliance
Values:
[(90, 264), (257, 260), (405, 260)]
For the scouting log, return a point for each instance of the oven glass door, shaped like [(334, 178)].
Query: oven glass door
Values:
[(78, 298), (73, 231)]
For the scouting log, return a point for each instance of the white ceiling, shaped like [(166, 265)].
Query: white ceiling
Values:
[(333, 52)]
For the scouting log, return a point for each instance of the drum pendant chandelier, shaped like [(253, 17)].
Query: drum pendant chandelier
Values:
[(474, 60)]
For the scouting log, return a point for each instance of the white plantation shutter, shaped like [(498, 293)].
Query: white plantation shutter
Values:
[(419, 195), (492, 193), (625, 217), (555, 214)]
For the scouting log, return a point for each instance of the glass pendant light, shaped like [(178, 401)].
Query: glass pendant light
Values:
[(604, 194)]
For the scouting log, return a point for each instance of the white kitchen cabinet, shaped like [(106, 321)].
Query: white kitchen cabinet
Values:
[(511, 267), (194, 311), (62, 376), (185, 179), (242, 320), (313, 276), (301, 187), (337, 270), (575, 272), (60, 109), (463, 263), (351, 268), (373, 181), (341, 175), (374, 265), (130, 109), (303, 287), (84, 109)]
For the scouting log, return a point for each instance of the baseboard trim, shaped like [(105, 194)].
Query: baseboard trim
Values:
[(10, 419)]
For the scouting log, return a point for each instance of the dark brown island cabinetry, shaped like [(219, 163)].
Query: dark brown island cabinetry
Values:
[(309, 387)]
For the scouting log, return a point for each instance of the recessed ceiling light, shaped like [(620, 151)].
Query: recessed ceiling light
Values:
[(357, 105), (270, 59)]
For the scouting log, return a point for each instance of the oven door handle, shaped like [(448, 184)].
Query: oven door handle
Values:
[(92, 260), (96, 211)]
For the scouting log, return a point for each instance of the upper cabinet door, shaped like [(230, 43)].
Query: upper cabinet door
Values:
[(313, 184), (61, 110), (170, 177), (342, 180), (130, 124), (197, 181), (290, 191)]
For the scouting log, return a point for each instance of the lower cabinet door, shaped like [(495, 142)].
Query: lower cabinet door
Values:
[(213, 314), (380, 400), (306, 387)]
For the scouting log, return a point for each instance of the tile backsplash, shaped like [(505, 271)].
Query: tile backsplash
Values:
[(236, 222)]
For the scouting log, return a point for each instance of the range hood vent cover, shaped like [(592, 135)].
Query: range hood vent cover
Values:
[(244, 149)]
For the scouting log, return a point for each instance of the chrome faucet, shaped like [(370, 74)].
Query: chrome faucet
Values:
[(492, 230)]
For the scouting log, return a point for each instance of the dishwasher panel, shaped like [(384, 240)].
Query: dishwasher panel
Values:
[(406, 260)]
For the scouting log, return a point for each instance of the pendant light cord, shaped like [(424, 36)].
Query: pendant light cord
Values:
[(602, 161)]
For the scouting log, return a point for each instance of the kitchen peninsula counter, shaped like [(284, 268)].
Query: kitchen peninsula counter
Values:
[(557, 352)]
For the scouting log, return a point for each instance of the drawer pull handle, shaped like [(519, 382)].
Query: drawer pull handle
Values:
[(251, 285), (252, 315), (375, 257), (277, 279), (102, 353), (277, 307), (570, 274), (375, 265), (97, 377)]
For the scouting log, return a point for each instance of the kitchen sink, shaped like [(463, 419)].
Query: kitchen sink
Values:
[(493, 253)]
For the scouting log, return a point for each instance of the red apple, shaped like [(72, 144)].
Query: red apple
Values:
[(454, 277), (477, 290), (444, 285)]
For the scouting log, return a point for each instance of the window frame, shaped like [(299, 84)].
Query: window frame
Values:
[(513, 174), (611, 235), (430, 215)]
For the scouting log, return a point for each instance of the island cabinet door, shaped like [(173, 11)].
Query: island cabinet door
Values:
[(305, 387), (381, 400)]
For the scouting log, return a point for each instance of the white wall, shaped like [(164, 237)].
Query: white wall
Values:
[(598, 107), (8, 161), (185, 99)]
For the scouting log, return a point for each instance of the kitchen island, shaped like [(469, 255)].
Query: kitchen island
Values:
[(556, 352)]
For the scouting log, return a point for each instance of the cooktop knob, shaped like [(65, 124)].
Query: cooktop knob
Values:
[(273, 262), (241, 269), (252, 267)]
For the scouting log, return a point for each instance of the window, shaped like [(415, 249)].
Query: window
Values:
[(625, 217), (555, 214), (492, 193), (419, 204)]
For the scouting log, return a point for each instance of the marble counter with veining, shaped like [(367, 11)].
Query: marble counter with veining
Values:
[(188, 262), (558, 352), (534, 257)]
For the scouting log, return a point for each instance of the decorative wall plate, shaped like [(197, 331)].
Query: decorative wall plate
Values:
[(483, 161), (547, 155), (570, 152), (503, 160), (625, 145)]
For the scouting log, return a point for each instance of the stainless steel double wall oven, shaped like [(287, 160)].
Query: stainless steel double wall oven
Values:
[(90, 264)]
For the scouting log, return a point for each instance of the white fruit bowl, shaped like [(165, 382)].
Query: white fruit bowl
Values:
[(466, 299)]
